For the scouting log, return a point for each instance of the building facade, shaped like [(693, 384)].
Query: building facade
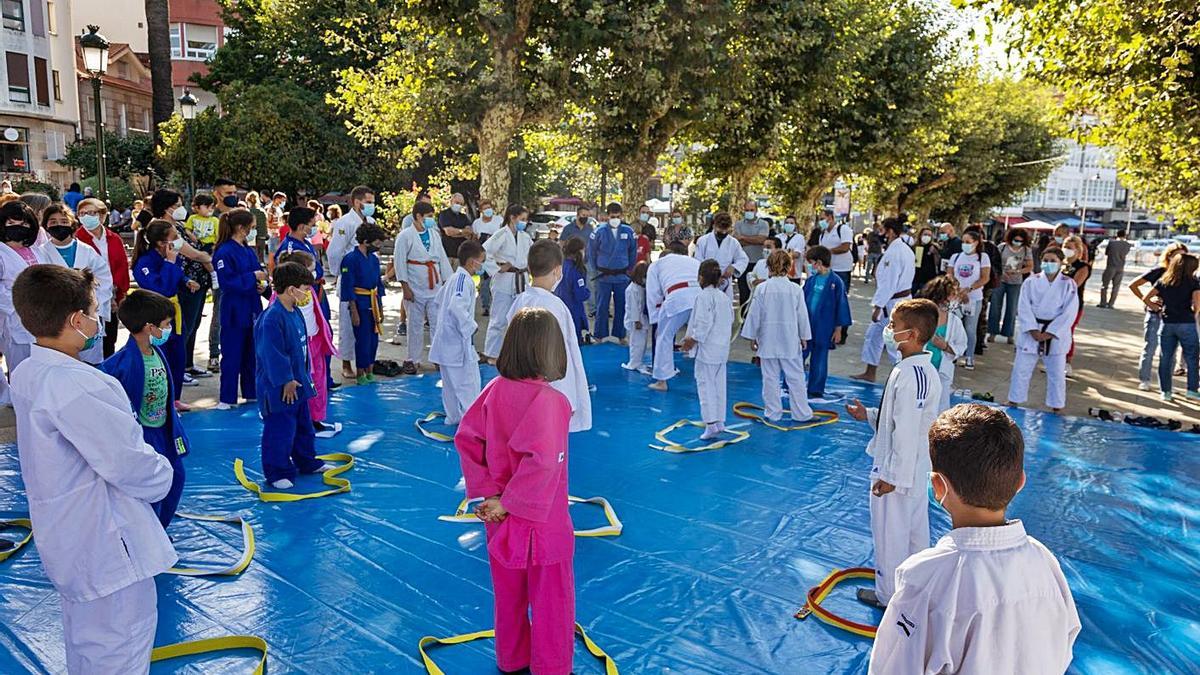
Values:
[(126, 96)]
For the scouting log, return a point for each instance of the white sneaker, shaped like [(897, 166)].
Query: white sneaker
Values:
[(629, 366), (223, 406), (1143, 386), (330, 430), (325, 467), (283, 484)]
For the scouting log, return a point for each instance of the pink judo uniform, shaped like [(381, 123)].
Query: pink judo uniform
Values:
[(320, 345), (512, 442)]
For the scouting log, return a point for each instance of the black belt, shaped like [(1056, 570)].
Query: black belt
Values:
[(1044, 346), (520, 280), (608, 272)]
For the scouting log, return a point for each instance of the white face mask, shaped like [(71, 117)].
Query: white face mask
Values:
[(644, 217), (926, 238), (614, 222), (179, 213), (1070, 253), (968, 248), (457, 208)]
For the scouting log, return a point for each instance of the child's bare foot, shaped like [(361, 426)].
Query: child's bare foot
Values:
[(867, 375), (282, 484), (659, 385)]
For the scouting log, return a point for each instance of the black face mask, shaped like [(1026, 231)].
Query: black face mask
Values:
[(372, 249), (720, 236), (60, 232), (230, 202), (18, 233)]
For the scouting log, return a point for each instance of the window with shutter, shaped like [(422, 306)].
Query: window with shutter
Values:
[(18, 77)]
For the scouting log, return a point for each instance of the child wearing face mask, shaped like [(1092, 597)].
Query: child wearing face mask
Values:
[(422, 269), (828, 312), (987, 597), (1047, 309), (507, 260), (19, 233), (760, 273), (320, 347), (573, 289), (361, 286), (900, 446), (950, 339), (792, 241), (242, 277), (452, 346), (63, 249), (141, 368), (708, 334), (158, 267), (545, 265), (92, 231)]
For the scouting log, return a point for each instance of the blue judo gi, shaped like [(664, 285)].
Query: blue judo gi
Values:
[(362, 284), (169, 440), (573, 291), (827, 310), (153, 273), (290, 244), (241, 306), (614, 252), (281, 351)]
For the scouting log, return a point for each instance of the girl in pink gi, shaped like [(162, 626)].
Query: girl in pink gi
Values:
[(512, 444), (320, 349)]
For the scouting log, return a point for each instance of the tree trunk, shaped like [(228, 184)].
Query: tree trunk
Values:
[(635, 176), (494, 136), (158, 44), (739, 186)]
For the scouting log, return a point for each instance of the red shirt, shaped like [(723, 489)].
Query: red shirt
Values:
[(117, 260), (643, 248)]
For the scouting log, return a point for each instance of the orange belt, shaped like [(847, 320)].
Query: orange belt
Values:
[(677, 287), (432, 268), (376, 308)]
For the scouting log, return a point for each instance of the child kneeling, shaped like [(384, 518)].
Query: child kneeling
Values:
[(708, 334), (512, 444)]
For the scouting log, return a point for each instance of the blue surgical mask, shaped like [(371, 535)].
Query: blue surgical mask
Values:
[(429, 222), (789, 227), (1050, 268), (644, 217), (812, 269), (968, 248), (1059, 240), (89, 342), (749, 215), (676, 220), (161, 340), (90, 221), (368, 209), (521, 225), (822, 225), (488, 213)]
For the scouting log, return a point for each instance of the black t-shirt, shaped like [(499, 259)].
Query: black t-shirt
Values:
[(449, 218), (1177, 300), (1072, 268)]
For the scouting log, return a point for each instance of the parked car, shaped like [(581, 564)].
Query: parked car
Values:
[(543, 221)]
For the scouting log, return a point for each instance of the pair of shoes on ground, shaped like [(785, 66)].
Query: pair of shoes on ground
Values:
[(365, 379)]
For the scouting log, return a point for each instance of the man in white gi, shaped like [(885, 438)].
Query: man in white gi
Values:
[(545, 265), (987, 598), (672, 283), (362, 210), (778, 328), (720, 245), (422, 269), (900, 446), (90, 479), (452, 347), (893, 283), (1047, 308)]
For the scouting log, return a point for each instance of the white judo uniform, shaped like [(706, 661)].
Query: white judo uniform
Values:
[(982, 600), (573, 385), (672, 283), (99, 540), (506, 246), (956, 337), (345, 229), (635, 313), (86, 258), (758, 274), (1050, 307), (452, 347), (711, 326), (900, 448), (893, 283), (15, 341), (425, 270), (778, 322), (796, 245), (727, 253)]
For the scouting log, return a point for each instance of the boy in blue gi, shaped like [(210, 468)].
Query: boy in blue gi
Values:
[(361, 285), (284, 380), (828, 311), (141, 368)]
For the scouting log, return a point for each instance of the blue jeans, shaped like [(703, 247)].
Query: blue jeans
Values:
[(1004, 296), (1183, 335), (1150, 334)]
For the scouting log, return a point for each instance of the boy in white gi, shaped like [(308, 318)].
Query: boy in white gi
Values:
[(720, 245), (760, 272), (507, 263), (1047, 308), (778, 328), (671, 290), (637, 318), (90, 479), (900, 446), (453, 344), (893, 282), (987, 598), (422, 268), (545, 266), (708, 333)]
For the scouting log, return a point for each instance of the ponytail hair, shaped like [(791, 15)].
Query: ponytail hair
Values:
[(150, 236), (232, 221)]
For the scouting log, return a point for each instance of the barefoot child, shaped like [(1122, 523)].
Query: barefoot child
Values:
[(900, 446), (512, 445), (141, 368), (545, 265), (637, 319), (320, 347), (949, 340), (97, 535), (671, 290), (778, 328), (708, 334), (507, 263), (422, 269), (1046, 311), (828, 311), (987, 598), (453, 344), (284, 379), (573, 289), (361, 286)]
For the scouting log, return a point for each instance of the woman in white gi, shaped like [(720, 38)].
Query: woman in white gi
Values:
[(792, 241), (719, 245), (708, 334), (507, 254), (671, 290), (422, 268), (63, 250), (972, 268), (452, 347), (778, 328), (1047, 308)]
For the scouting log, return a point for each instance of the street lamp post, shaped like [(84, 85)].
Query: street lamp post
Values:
[(187, 107), (95, 61)]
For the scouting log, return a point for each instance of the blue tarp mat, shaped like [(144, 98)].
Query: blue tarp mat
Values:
[(717, 553)]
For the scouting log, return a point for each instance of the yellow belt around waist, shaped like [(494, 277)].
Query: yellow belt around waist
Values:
[(376, 308)]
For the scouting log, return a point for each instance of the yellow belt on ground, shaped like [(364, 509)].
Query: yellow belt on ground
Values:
[(329, 477), (435, 435), (16, 522), (431, 668), (376, 308), (234, 569), (671, 446), (463, 515), (817, 594), (209, 645), (820, 417)]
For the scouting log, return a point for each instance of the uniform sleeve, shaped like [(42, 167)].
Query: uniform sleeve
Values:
[(842, 317), (740, 260), (896, 466), (276, 364), (905, 632), (1060, 327), (400, 256), (540, 444), (1026, 319), (165, 281), (802, 317), (654, 294), (754, 317), (380, 286), (471, 442), (885, 278), (230, 277), (462, 310), (123, 460), (703, 319), (445, 272), (346, 283), (633, 246), (490, 266), (103, 277)]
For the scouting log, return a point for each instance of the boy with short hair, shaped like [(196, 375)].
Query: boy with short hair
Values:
[(987, 597), (283, 379), (97, 535), (545, 266), (422, 268), (900, 446), (453, 345), (361, 286), (828, 312), (320, 344), (141, 368)]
